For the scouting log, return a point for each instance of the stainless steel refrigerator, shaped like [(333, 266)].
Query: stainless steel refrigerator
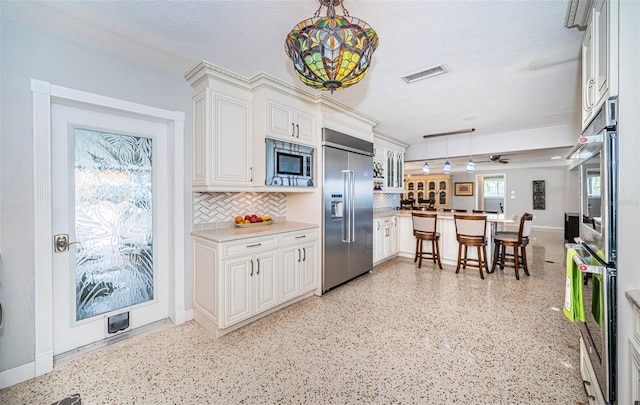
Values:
[(348, 208)]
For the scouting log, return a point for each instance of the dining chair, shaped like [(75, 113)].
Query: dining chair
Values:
[(424, 229), (516, 240), (471, 231)]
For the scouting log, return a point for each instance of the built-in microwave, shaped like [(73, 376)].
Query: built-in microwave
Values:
[(288, 164)]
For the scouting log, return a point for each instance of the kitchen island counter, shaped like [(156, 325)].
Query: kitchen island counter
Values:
[(445, 225), (235, 233)]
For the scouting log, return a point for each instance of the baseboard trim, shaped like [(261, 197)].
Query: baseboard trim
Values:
[(17, 375)]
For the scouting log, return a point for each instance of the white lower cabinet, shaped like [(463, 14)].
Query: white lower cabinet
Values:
[(250, 284), (589, 381), (239, 281), (406, 241), (634, 368), (385, 240)]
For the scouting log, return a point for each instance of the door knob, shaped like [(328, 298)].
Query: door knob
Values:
[(61, 243)]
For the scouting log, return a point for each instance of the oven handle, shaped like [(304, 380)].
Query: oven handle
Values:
[(582, 265)]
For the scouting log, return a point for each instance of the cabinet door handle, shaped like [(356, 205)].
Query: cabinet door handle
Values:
[(293, 129), (304, 257), (258, 272), (299, 256), (251, 274), (297, 131), (251, 174)]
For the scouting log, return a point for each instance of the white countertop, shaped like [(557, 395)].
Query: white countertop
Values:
[(498, 218), (234, 233)]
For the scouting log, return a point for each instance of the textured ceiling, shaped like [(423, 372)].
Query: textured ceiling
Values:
[(511, 65)]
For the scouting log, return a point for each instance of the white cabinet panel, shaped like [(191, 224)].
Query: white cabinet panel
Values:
[(237, 291), (222, 142), (309, 269), (266, 281), (599, 50), (289, 278), (237, 281), (286, 117)]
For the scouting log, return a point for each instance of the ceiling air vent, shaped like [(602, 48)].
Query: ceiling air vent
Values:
[(424, 73)]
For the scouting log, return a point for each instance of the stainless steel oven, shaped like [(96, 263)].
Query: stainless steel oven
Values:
[(596, 157), (288, 164)]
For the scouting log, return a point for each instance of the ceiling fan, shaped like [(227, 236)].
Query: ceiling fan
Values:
[(495, 159)]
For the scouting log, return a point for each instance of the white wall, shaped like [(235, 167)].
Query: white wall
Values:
[(31, 54), (629, 186), (561, 192)]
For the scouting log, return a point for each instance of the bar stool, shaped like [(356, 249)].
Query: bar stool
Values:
[(518, 241), (471, 231), (424, 228)]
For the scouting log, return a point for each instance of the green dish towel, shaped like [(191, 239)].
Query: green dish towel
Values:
[(573, 303)]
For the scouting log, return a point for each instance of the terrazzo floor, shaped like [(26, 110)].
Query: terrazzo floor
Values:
[(398, 335)]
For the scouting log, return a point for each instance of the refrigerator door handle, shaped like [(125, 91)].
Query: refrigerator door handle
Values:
[(352, 206), (346, 220)]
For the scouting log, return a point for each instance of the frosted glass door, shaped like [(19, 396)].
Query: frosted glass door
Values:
[(110, 196), (113, 180)]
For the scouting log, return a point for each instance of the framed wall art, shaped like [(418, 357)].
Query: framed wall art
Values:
[(464, 189), (538, 195)]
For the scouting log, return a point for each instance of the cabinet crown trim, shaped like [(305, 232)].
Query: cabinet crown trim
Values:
[(204, 70)]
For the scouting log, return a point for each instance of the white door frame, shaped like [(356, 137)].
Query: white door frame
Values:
[(44, 94)]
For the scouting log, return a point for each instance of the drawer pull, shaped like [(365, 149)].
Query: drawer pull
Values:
[(301, 236), (254, 245), (584, 385)]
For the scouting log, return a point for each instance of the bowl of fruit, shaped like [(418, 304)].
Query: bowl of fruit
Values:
[(252, 220)]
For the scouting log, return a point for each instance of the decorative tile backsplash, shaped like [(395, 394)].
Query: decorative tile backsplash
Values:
[(386, 200), (212, 208), (215, 210)]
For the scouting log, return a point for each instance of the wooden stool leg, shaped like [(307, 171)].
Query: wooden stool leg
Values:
[(459, 257), (486, 262), (516, 261), (496, 250), (503, 253), (438, 252), (420, 255), (464, 263), (524, 260), (433, 250), (480, 262), (415, 259)]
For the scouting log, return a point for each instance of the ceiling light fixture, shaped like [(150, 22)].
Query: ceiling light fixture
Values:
[(471, 166), (447, 166), (425, 167), (332, 52), (460, 131)]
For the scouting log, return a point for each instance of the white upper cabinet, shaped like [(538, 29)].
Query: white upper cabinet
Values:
[(283, 116), (599, 58), (390, 153), (222, 136), (233, 115)]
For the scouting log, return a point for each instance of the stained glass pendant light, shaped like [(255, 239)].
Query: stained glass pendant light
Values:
[(332, 52)]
